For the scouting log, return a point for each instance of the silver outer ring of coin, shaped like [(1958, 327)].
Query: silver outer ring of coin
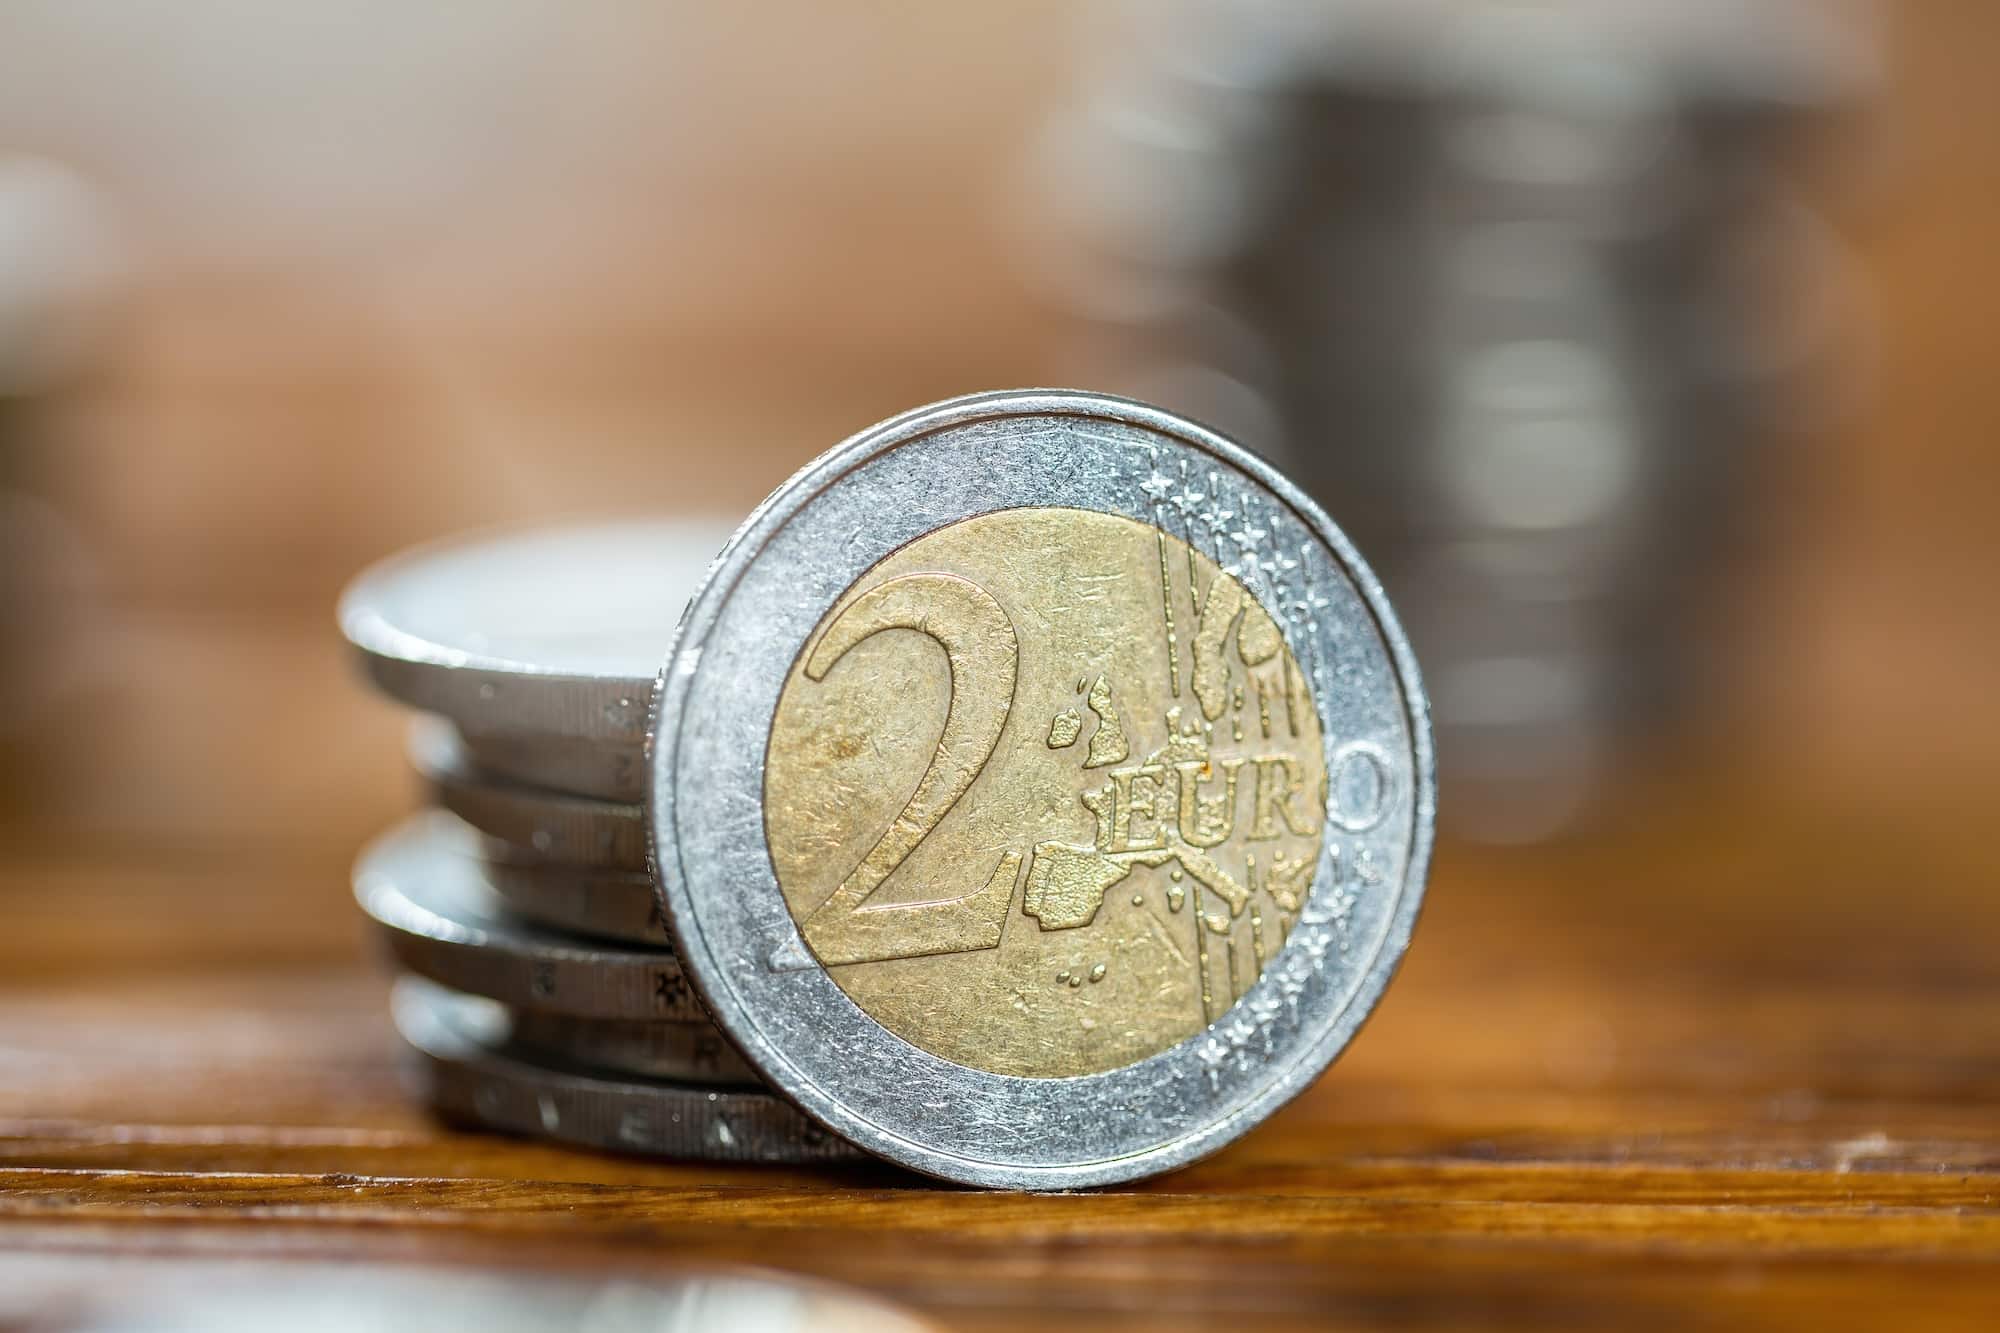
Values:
[(440, 921), (541, 825), (792, 559), (682, 1052), (615, 905), (465, 1077)]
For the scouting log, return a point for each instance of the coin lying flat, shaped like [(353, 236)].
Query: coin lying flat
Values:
[(466, 1075), (539, 824), (541, 645), (683, 1052), (614, 905), (441, 921), (1042, 790), (599, 769)]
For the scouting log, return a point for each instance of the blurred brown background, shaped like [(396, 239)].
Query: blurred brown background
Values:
[(293, 286), (375, 278), (350, 278)]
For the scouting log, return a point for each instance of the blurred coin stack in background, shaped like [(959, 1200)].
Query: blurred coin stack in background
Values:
[(539, 992), (1520, 291), (60, 265)]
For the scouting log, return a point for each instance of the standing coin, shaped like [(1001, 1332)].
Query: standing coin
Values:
[(466, 1075), (1042, 790), (537, 823), (540, 645), (440, 920)]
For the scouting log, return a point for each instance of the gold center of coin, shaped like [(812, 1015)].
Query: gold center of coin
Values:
[(1045, 791)]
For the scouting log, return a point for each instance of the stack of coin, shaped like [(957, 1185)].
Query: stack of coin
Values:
[(1521, 288), (540, 989), (983, 806)]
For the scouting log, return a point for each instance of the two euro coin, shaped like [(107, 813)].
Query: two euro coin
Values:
[(1039, 790)]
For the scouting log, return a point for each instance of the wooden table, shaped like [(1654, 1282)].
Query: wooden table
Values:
[(1725, 1063)]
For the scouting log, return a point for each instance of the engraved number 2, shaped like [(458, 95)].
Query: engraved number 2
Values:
[(979, 643)]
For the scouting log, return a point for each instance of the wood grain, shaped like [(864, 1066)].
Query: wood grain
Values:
[(1679, 1101)]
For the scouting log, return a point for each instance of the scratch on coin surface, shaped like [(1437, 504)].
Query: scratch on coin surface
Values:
[(1158, 927)]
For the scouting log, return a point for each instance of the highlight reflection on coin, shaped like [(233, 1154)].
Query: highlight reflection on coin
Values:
[(1041, 791), (539, 644)]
